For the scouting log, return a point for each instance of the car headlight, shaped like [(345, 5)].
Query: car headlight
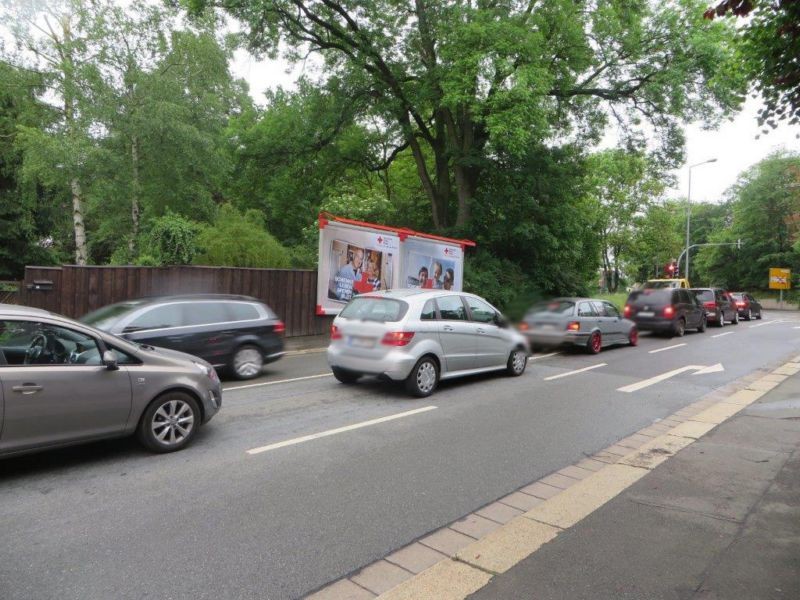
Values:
[(208, 370)]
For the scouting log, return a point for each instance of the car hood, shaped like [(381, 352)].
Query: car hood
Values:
[(172, 355)]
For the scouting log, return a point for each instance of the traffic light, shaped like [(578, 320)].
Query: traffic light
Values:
[(672, 268)]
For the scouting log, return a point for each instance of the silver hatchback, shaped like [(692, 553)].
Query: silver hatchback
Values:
[(421, 337), (63, 382)]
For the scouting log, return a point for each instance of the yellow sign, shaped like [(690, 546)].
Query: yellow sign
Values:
[(780, 279)]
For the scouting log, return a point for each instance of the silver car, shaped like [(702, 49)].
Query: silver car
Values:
[(585, 322), (63, 382), (421, 337)]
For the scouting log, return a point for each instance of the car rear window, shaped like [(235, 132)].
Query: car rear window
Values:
[(737, 296), (704, 295), (104, 318), (242, 312), (556, 307), (650, 296), (375, 309)]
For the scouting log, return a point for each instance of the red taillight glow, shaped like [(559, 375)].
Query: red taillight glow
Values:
[(710, 305), (524, 326), (397, 338), (669, 311), (279, 328), (336, 333), (574, 326), (741, 304), (626, 312)]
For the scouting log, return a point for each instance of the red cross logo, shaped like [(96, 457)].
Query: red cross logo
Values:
[(380, 240)]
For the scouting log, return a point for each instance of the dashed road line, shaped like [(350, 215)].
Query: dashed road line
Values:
[(575, 372), (763, 324), (544, 356), (726, 333), (667, 348), (321, 434), (252, 385)]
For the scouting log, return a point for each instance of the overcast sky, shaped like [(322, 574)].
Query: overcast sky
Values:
[(733, 144)]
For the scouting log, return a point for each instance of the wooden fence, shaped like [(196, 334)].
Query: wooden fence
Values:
[(73, 291)]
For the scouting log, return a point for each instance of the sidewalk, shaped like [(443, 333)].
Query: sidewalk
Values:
[(719, 520)]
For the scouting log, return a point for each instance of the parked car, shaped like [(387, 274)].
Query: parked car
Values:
[(420, 337), (670, 311), (749, 307), (64, 383), (657, 284), (584, 322), (718, 304), (236, 333)]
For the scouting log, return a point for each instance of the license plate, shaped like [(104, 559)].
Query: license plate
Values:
[(547, 326), (360, 342), (647, 313)]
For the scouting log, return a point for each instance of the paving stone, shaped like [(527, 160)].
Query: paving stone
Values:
[(416, 557), (447, 541), (474, 525), (575, 472), (343, 589), (381, 576), (541, 490), (558, 480), (591, 465), (447, 580), (606, 458), (497, 511), (617, 450), (521, 500)]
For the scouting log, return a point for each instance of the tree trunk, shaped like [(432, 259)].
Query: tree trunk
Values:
[(135, 195), (77, 220)]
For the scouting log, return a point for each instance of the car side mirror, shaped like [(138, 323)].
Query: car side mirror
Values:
[(110, 360), (501, 321)]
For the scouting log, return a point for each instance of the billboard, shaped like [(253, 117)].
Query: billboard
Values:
[(352, 261), (780, 279), (358, 258)]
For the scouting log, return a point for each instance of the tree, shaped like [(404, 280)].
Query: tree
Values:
[(769, 48), (172, 240), (657, 239), (458, 82)]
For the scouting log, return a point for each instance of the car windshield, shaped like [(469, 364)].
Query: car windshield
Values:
[(657, 284), (650, 296), (556, 307), (374, 309), (104, 318), (704, 295)]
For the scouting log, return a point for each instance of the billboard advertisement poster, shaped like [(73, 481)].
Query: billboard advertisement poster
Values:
[(431, 264), (354, 261)]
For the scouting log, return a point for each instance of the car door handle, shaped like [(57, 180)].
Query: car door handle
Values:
[(27, 388), (447, 328)]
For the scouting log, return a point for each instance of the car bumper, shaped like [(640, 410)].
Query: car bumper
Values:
[(557, 338), (395, 365), (212, 402), (654, 324)]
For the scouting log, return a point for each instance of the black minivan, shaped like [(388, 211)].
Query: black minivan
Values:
[(671, 311), (236, 333)]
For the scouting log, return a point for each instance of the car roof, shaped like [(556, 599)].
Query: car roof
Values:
[(188, 298), (15, 309)]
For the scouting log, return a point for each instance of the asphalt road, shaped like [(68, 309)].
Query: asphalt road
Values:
[(108, 520)]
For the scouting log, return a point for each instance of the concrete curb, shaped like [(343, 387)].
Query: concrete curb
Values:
[(509, 530)]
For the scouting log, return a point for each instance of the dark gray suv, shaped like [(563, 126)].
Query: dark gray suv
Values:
[(63, 382)]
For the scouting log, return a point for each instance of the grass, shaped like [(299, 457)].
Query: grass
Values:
[(618, 299)]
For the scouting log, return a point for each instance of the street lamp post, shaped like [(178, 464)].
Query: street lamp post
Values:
[(689, 211)]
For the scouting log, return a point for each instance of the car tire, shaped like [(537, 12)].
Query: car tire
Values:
[(345, 376), (735, 319), (169, 423), (679, 328), (749, 316), (517, 361), (633, 337), (595, 343), (424, 377), (721, 320), (246, 363), (760, 316)]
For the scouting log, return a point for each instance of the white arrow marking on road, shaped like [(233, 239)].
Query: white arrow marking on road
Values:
[(635, 387), (721, 334), (667, 348), (575, 372), (321, 434)]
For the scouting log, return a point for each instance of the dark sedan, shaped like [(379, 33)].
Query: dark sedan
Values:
[(749, 308), (665, 311), (236, 333), (719, 305)]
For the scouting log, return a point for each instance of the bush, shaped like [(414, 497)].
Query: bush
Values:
[(172, 240), (501, 281), (240, 240)]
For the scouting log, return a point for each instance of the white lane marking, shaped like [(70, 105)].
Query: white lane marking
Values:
[(727, 333), (667, 348), (795, 327), (543, 356), (321, 434), (701, 370), (252, 385), (575, 372), (762, 324)]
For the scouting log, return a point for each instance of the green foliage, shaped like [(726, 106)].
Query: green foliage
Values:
[(240, 240), (172, 240)]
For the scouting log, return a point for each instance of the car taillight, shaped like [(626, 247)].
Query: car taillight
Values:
[(710, 305), (741, 304), (523, 326), (669, 311), (397, 338), (336, 333), (574, 326), (279, 328), (626, 312)]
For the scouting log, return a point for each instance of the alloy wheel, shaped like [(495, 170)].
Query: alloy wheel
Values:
[(247, 362), (519, 361), (426, 377), (172, 422)]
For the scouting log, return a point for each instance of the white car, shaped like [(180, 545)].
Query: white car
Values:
[(421, 337)]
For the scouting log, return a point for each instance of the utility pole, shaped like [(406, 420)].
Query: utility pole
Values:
[(689, 212)]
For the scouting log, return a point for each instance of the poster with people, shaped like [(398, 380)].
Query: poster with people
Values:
[(354, 261), (429, 264)]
